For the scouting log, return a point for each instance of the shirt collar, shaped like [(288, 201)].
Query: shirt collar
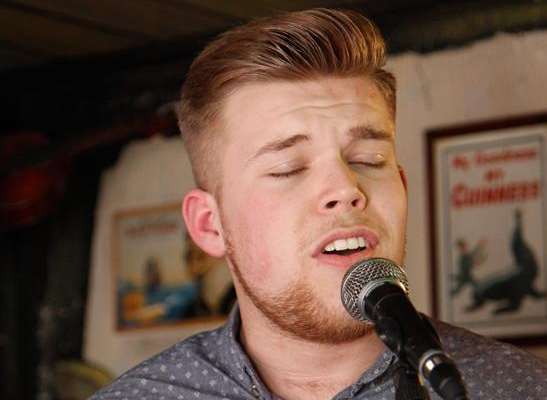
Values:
[(238, 362)]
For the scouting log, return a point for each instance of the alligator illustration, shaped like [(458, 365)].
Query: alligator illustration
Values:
[(511, 288)]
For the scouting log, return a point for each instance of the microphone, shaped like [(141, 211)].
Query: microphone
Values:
[(376, 290)]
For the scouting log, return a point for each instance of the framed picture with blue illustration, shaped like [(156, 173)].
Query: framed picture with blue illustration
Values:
[(160, 276), (488, 226)]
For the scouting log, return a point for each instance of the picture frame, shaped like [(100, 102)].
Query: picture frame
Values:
[(161, 277), (487, 191)]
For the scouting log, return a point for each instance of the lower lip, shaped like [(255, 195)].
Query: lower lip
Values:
[(346, 261)]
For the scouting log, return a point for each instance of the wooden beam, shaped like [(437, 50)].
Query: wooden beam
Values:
[(145, 19), (40, 33)]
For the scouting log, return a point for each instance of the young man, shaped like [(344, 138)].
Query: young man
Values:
[(289, 123)]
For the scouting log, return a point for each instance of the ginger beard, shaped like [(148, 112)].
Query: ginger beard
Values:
[(297, 310)]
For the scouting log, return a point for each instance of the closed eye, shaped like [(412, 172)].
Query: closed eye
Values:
[(287, 174), (378, 164)]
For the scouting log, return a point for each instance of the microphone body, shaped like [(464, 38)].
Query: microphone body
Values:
[(376, 290)]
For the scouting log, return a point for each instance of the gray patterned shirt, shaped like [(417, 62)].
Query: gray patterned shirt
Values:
[(212, 365)]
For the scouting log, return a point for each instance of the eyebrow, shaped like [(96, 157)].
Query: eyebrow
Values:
[(280, 144), (366, 132), (360, 132)]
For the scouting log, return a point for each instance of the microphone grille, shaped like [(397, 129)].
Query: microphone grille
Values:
[(365, 273)]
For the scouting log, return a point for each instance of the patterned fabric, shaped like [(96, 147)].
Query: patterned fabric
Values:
[(213, 366)]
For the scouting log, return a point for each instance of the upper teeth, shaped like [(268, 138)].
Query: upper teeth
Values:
[(345, 244)]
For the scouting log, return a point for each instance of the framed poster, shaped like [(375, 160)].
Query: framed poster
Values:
[(161, 277), (487, 191)]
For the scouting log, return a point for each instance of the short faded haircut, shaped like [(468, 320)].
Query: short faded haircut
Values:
[(293, 46)]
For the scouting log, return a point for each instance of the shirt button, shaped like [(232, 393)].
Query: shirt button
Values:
[(255, 391)]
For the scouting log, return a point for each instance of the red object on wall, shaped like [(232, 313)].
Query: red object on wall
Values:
[(33, 173), (28, 192)]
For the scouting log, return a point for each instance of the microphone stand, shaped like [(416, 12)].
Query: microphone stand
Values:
[(407, 383)]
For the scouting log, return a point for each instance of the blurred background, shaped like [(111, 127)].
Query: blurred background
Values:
[(92, 169)]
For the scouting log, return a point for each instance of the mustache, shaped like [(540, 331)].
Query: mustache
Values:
[(320, 228), (345, 221), (349, 220)]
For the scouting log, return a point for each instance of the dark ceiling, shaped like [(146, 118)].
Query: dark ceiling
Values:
[(73, 65), (37, 31)]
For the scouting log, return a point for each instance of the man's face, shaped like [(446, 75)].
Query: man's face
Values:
[(310, 185)]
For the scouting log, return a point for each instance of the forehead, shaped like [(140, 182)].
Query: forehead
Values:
[(258, 111)]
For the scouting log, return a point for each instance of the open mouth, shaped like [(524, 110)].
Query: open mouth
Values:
[(346, 252), (344, 247)]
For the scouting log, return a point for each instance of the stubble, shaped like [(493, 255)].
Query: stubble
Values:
[(298, 310)]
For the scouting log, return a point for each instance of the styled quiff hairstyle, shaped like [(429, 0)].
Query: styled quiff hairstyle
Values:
[(294, 46)]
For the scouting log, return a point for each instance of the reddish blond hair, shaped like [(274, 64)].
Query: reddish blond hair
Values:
[(293, 46)]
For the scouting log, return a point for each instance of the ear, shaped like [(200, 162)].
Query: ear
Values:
[(402, 174), (201, 215)]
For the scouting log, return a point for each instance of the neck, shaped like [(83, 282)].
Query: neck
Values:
[(298, 369)]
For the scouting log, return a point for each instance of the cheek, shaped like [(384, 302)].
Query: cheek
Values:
[(256, 234), (258, 212), (392, 205)]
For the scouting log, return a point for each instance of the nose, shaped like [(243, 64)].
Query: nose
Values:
[(342, 192)]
